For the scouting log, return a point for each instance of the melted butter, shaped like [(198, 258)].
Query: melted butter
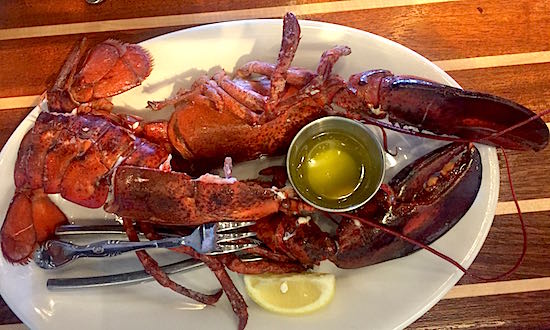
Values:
[(332, 166), (331, 171)]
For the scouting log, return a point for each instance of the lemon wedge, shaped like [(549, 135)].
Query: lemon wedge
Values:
[(291, 294)]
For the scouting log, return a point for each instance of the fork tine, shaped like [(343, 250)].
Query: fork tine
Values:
[(224, 238), (251, 258), (224, 226), (230, 248)]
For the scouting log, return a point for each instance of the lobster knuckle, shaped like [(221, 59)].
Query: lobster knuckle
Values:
[(305, 241), (366, 86)]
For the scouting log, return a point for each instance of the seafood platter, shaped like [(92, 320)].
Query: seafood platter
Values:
[(192, 128)]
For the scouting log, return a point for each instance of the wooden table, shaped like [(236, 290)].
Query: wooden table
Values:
[(496, 46)]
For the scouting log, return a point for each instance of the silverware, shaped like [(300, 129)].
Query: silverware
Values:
[(117, 229), (207, 239), (121, 278), (127, 278)]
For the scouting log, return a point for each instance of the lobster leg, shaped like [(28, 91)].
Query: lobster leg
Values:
[(235, 298), (294, 76), (248, 97), (433, 193), (59, 98), (224, 101), (289, 45), (153, 269)]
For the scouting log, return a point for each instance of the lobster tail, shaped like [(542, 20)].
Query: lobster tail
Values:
[(31, 219)]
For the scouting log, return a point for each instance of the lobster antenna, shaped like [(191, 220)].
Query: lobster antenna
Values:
[(520, 216), (414, 133), (521, 123), (385, 142)]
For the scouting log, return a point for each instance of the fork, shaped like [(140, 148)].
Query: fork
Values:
[(208, 239)]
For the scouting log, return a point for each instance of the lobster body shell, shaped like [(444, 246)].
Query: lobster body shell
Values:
[(170, 198), (200, 132)]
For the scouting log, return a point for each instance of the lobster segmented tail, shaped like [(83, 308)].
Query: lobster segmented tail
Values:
[(31, 218)]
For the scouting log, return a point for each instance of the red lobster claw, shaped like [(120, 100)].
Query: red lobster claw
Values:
[(431, 196), (442, 109)]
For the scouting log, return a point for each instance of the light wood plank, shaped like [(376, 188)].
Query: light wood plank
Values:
[(496, 288), (527, 206), (482, 62), (18, 326), (29, 101)]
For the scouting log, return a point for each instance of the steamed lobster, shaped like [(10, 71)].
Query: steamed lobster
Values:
[(86, 154)]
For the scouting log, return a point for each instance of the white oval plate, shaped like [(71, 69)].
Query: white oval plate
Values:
[(390, 295)]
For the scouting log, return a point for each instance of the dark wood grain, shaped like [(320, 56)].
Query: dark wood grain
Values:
[(31, 13), (529, 175), (504, 244), (512, 311), (10, 119), (6, 315), (457, 29)]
